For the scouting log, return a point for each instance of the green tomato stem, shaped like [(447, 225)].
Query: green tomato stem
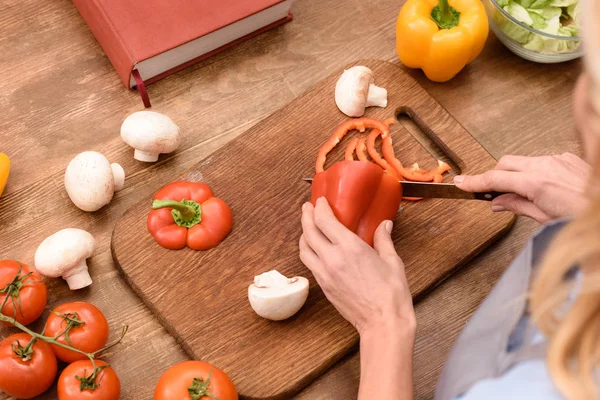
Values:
[(37, 336)]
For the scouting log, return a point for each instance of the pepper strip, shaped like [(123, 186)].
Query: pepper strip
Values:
[(375, 154), (361, 150), (415, 173), (359, 124), (349, 156)]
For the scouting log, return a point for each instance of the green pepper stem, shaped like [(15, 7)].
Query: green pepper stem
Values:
[(445, 12), (187, 212), (445, 16)]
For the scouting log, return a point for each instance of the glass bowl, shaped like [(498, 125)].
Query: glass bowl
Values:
[(529, 43)]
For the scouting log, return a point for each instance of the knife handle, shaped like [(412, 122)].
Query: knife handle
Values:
[(487, 196)]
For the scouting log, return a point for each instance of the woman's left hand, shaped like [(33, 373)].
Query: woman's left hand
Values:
[(366, 285)]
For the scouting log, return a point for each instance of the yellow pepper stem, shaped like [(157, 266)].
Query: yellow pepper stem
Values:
[(444, 15)]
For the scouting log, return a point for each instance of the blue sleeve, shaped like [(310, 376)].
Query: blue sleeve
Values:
[(527, 380)]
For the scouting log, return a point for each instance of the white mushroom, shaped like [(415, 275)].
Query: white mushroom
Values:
[(64, 254), (91, 181), (356, 91), (150, 134), (275, 297)]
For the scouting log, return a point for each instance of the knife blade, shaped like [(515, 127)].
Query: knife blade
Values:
[(439, 191)]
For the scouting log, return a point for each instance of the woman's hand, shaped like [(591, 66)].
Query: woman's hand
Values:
[(367, 286), (543, 188)]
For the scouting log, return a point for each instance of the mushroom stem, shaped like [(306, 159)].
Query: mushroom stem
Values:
[(78, 277), (377, 96), (118, 176), (145, 156)]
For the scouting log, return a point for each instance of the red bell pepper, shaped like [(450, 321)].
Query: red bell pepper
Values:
[(187, 214), (360, 194)]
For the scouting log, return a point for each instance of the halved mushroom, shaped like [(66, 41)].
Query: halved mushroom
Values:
[(355, 91), (150, 134), (275, 297), (64, 255), (91, 181)]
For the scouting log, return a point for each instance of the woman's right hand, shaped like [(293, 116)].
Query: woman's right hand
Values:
[(543, 188)]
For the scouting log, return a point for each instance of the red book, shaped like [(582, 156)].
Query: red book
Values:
[(147, 40)]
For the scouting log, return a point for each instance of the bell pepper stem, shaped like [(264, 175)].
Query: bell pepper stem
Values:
[(445, 16), (186, 213)]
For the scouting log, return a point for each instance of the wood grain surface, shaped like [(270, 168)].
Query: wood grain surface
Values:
[(59, 95), (259, 175)]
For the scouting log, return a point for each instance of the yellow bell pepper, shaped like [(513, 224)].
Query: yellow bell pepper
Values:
[(4, 170), (439, 37)]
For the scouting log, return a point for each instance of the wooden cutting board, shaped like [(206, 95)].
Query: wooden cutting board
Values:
[(201, 297)]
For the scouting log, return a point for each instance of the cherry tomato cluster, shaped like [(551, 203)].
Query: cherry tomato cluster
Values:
[(74, 333)]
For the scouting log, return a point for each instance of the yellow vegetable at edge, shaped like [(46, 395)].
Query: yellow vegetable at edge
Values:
[(4, 170), (440, 38)]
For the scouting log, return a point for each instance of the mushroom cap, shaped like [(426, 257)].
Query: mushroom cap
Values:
[(352, 90), (89, 181), (62, 251), (275, 297), (151, 132)]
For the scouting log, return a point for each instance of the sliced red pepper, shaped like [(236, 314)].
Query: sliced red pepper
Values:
[(360, 194), (359, 124), (361, 150), (349, 156), (187, 214), (415, 173), (375, 154)]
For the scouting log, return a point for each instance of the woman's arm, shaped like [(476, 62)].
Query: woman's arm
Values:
[(368, 287), (386, 362)]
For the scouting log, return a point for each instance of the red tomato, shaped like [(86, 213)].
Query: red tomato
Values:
[(90, 336), (25, 375), (176, 383), (29, 295), (105, 385)]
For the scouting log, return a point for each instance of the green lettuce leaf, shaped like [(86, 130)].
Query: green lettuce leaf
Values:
[(574, 12), (570, 30), (546, 13), (519, 12), (539, 4), (563, 3), (552, 27), (535, 44), (525, 3), (539, 22), (517, 32)]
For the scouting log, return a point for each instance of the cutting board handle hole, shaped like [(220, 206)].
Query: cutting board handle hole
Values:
[(410, 120)]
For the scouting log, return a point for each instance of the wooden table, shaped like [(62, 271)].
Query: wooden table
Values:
[(59, 95)]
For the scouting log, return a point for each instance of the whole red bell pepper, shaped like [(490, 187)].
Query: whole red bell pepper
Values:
[(187, 214), (361, 195)]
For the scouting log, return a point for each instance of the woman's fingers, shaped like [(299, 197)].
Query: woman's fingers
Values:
[(313, 236), (521, 183), (520, 206), (382, 242), (313, 263), (329, 225), (309, 257), (515, 163)]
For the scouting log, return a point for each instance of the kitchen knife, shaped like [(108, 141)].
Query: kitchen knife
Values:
[(439, 191)]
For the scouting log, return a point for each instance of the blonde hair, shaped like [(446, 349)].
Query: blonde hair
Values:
[(572, 325)]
